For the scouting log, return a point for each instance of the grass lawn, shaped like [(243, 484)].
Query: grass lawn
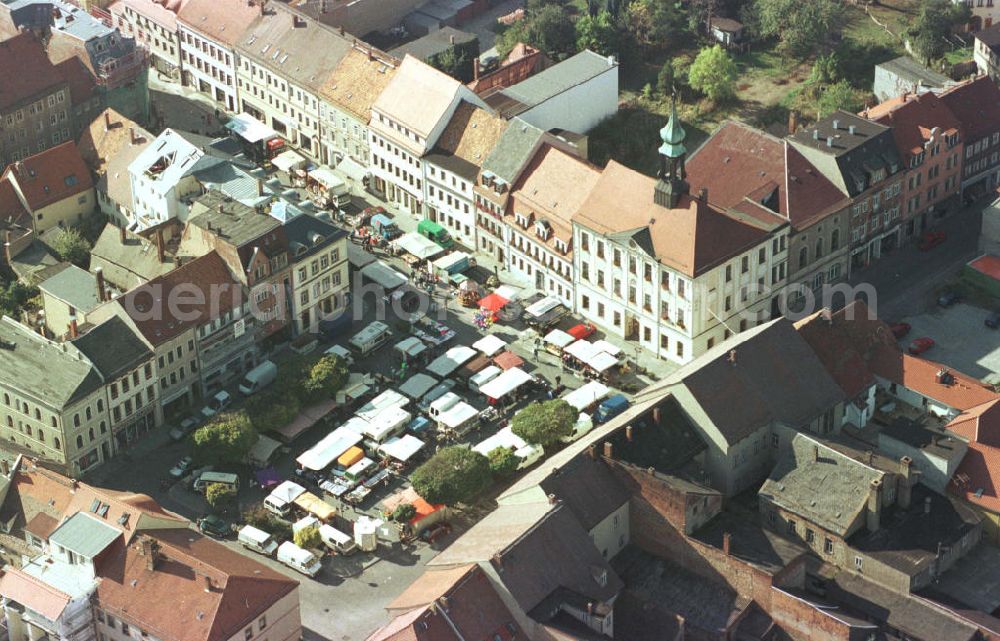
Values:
[(958, 56)]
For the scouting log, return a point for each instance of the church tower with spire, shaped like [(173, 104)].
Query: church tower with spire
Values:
[(671, 185)]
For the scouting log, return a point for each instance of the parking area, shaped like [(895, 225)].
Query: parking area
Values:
[(961, 339)]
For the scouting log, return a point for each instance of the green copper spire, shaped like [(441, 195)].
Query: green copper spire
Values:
[(673, 135)]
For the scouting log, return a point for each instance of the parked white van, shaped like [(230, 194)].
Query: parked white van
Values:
[(258, 378), (224, 478), (298, 559), (342, 352), (257, 540), (336, 540), (279, 501), (370, 338), (483, 376), (216, 404)]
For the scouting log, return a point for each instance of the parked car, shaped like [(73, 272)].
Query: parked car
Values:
[(215, 526), (581, 331), (899, 330), (921, 345), (992, 320), (948, 298), (931, 239), (186, 426), (216, 404), (182, 467)]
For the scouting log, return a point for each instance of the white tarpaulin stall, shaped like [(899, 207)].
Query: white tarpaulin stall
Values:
[(543, 306), (249, 128), (401, 448), (326, 178), (559, 338), (420, 246), (411, 347), (583, 351), (289, 160), (417, 385), (505, 383), (385, 400), (457, 415), (508, 291), (383, 275), (602, 361), (324, 453), (388, 422), (587, 395), (490, 344), (604, 346), (451, 360)]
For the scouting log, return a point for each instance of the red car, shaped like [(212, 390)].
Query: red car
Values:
[(581, 331), (931, 239), (921, 345), (899, 330)]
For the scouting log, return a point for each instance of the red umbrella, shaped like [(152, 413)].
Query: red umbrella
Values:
[(493, 303), (507, 360)]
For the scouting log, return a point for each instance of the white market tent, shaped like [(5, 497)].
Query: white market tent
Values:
[(410, 347), (289, 160), (386, 422), (325, 177), (543, 306), (249, 128), (602, 361), (508, 291), (457, 415), (503, 438), (417, 385), (582, 350), (420, 246), (506, 383), (263, 450), (490, 344), (587, 395), (288, 491), (446, 262), (324, 453), (451, 360), (559, 338), (385, 400), (604, 346), (383, 275), (402, 448)]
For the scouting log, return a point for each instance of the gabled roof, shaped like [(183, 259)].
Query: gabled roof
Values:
[(809, 194), (74, 286), (418, 96), (554, 186), (588, 488), (909, 69), (84, 534), (358, 81), (912, 118), (977, 479), (545, 85), (224, 21), (769, 375), (690, 239), (308, 234), (976, 104), (113, 348), (33, 593), (208, 273), (107, 136), (470, 137), (51, 176), (26, 70), (809, 464), (129, 264), (963, 392), (514, 149)]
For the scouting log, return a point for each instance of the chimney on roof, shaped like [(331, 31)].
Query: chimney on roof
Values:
[(732, 356), (829, 141), (371, 52), (73, 485), (852, 130), (609, 450), (793, 121), (122, 235), (475, 69), (592, 451), (177, 261), (260, 187), (815, 453), (220, 208), (836, 124), (552, 499), (590, 607), (5, 467), (341, 29), (906, 479), (208, 583), (703, 194), (874, 512), (159, 245), (629, 435), (107, 120), (727, 540), (132, 138), (102, 292), (680, 628), (74, 330), (815, 134), (451, 39)]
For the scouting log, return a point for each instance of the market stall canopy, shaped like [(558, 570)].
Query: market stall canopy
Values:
[(388, 398), (289, 160), (542, 307), (306, 419), (505, 383), (402, 448), (604, 346), (508, 360), (452, 262), (326, 178), (559, 338), (383, 275), (457, 415), (420, 246), (388, 421), (267, 477), (262, 451), (451, 360), (493, 303), (411, 347), (508, 291), (330, 448), (490, 344), (587, 395), (583, 351), (417, 385), (249, 128), (602, 361)]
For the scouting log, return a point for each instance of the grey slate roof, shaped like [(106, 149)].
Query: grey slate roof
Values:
[(126, 265), (588, 488), (41, 369), (909, 69), (776, 377), (300, 233), (845, 484), (557, 79), (84, 535), (113, 348), (433, 43), (236, 223), (74, 286), (513, 151), (236, 183)]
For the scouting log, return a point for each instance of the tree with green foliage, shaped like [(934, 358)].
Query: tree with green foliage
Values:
[(598, 33), (657, 24), (308, 538), (825, 70), (546, 27), (503, 463), (228, 438), (839, 95), (545, 423), (70, 245), (269, 411), (802, 28), (934, 23), (404, 512), (455, 474), (325, 378), (220, 495), (456, 60), (15, 297), (714, 73), (260, 518)]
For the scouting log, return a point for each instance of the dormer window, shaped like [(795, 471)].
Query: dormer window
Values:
[(543, 229), (522, 220), (561, 246)]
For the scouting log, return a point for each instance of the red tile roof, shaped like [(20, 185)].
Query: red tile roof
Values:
[(977, 479), (12, 212), (224, 21), (241, 588), (203, 274), (26, 71), (976, 104), (919, 375), (33, 593), (51, 176), (810, 195), (553, 187), (912, 118)]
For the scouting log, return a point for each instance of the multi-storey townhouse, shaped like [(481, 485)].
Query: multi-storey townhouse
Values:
[(345, 106), (154, 27), (690, 273), (54, 186), (407, 120), (452, 166), (976, 104), (928, 140), (108, 146), (744, 167), (984, 13), (42, 103), (859, 157), (986, 51), (544, 201), (319, 280), (280, 72), (209, 31)]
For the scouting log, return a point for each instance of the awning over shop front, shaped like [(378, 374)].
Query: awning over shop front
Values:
[(289, 160)]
